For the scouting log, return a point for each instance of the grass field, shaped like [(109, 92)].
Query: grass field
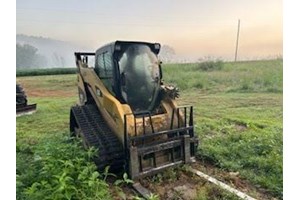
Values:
[(46, 71), (238, 117)]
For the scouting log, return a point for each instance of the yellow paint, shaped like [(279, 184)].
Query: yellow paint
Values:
[(113, 111)]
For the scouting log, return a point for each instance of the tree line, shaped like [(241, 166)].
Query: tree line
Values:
[(27, 57)]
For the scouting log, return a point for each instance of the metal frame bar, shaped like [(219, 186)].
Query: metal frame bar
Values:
[(181, 137), (147, 136)]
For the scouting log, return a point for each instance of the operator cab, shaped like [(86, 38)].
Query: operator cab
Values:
[(131, 72)]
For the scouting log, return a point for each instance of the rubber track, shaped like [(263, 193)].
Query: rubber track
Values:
[(97, 134)]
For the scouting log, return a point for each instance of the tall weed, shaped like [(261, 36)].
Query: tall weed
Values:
[(61, 169)]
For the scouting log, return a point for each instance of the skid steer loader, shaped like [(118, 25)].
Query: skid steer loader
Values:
[(128, 114)]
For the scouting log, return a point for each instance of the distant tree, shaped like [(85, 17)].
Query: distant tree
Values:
[(167, 53), (27, 57), (168, 49)]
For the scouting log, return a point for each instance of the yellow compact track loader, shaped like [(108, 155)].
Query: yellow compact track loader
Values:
[(128, 114)]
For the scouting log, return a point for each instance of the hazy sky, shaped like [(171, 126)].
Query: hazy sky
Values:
[(194, 28)]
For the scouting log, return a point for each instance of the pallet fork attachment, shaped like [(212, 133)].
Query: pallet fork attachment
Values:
[(177, 147)]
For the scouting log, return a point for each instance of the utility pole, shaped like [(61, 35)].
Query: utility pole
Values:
[(237, 41)]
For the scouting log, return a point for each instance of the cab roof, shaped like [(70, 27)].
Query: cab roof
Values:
[(111, 47)]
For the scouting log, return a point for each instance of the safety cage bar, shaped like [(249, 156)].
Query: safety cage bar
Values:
[(83, 56)]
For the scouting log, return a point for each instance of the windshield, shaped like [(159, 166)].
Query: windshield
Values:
[(140, 78)]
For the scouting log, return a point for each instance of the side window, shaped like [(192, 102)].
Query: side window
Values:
[(100, 64), (105, 70), (105, 65)]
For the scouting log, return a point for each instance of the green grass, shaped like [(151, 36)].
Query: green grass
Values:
[(49, 164), (58, 168), (46, 71), (240, 127), (242, 132), (238, 117), (250, 76)]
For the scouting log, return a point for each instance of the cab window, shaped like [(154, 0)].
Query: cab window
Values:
[(105, 70)]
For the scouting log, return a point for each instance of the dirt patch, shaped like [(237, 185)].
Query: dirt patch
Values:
[(35, 91), (186, 191), (181, 184), (46, 87), (48, 93), (240, 127)]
